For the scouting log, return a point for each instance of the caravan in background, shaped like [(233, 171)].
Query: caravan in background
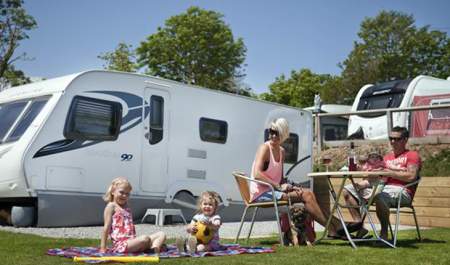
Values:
[(420, 91), (333, 128)]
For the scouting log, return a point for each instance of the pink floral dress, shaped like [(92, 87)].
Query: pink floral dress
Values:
[(122, 229)]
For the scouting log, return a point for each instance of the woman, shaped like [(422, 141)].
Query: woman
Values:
[(268, 167)]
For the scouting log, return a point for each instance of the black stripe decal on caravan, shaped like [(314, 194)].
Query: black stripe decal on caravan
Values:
[(132, 119)]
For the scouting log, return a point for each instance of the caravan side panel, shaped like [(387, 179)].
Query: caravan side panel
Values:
[(69, 176)]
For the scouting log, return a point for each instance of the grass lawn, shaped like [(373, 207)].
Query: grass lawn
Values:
[(23, 249)]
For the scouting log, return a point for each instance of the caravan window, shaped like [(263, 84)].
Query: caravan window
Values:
[(27, 118), (382, 96), (380, 102), (290, 147), (215, 131), (333, 132), (8, 115), (439, 114), (93, 119), (16, 117), (156, 119)]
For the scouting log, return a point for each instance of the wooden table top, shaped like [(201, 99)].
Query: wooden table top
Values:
[(350, 173)]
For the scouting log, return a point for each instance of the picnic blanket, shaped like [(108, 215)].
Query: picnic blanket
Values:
[(172, 252)]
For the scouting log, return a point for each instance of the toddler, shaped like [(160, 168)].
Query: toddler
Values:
[(118, 223), (204, 227), (374, 163)]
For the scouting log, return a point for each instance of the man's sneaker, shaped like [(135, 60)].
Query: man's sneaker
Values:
[(180, 243), (191, 244)]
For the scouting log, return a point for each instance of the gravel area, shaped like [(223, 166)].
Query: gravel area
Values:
[(228, 230)]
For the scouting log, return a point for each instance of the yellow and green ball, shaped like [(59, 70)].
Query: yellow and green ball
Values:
[(204, 233)]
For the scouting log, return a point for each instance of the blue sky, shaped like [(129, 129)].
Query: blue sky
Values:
[(280, 35)]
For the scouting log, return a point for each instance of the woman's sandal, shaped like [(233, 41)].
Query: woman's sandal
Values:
[(351, 227), (336, 237)]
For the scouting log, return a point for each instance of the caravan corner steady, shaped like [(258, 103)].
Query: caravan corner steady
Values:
[(63, 140)]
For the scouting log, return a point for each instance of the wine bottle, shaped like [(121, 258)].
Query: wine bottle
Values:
[(352, 158)]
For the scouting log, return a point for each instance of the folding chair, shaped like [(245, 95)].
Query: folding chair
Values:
[(404, 208), (242, 181)]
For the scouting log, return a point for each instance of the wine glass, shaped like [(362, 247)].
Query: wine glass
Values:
[(326, 160)]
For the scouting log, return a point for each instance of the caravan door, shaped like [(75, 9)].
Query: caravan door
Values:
[(154, 147)]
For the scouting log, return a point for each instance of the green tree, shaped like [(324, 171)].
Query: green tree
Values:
[(14, 23), (123, 58), (392, 47), (330, 91), (299, 89), (195, 47), (13, 77)]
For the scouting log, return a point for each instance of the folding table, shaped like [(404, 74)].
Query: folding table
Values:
[(364, 206)]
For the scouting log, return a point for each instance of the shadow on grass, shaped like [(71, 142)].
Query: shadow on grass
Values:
[(402, 243), (269, 242), (412, 243)]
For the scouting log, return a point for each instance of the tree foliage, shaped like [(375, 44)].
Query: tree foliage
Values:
[(13, 77), (14, 23), (123, 58), (195, 47), (299, 89), (392, 47)]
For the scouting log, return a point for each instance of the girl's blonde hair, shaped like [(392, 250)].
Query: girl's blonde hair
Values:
[(282, 127), (211, 195), (108, 197)]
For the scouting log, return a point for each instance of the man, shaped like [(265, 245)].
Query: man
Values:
[(405, 166)]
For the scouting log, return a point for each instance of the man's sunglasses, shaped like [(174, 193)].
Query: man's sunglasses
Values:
[(395, 139), (273, 132)]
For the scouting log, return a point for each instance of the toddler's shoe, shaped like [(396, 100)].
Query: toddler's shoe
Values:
[(191, 244)]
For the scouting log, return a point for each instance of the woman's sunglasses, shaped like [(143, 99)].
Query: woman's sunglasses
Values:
[(273, 132)]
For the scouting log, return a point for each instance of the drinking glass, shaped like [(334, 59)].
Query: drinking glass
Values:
[(326, 160)]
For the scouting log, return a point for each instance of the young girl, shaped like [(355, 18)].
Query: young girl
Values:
[(207, 208), (119, 222)]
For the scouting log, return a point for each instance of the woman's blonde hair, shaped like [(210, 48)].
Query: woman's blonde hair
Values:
[(282, 127), (211, 195), (108, 197)]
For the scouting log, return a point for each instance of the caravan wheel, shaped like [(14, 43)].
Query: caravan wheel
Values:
[(187, 203), (23, 216)]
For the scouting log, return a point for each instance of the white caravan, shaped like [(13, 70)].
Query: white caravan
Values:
[(63, 140), (420, 91)]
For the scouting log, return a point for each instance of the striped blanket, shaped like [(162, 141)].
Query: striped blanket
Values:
[(229, 249)]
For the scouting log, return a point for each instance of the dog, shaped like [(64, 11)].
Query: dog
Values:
[(297, 234)]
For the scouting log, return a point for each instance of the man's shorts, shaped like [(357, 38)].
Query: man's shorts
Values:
[(363, 193), (268, 196), (389, 194)]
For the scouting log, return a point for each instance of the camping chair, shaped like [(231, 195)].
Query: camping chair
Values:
[(404, 208), (242, 181)]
